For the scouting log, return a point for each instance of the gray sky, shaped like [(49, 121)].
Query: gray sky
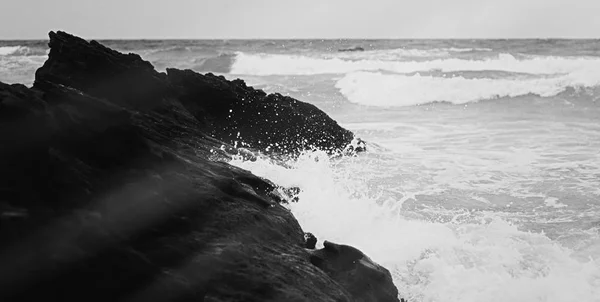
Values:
[(31, 19)]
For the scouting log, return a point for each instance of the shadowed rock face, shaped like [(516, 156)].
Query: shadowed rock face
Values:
[(110, 190), (236, 112), (99, 71), (228, 110), (364, 279)]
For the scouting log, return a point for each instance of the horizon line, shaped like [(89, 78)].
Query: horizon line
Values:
[(295, 38)]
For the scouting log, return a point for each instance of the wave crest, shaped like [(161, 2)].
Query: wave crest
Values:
[(392, 90), (21, 51), (221, 63), (459, 255), (278, 64)]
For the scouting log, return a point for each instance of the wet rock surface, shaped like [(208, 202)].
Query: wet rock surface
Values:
[(112, 188), (229, 111), (364, 279)]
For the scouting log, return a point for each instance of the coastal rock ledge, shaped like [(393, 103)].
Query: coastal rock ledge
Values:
[(114, 186)]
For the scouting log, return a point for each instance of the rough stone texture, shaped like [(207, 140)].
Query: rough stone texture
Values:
[(125, 79), (364, 279), (111, 190), (236, 112), (310, 241), (229, 110)]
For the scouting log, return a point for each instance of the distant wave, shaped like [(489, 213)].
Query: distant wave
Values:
[(454, 49), (8, 50), (201, 59), (19, 68), (276, 64), (170, 51), (393, 90), (402, 54), (21, 51), (389, 54), (221, 63), (399, 53)]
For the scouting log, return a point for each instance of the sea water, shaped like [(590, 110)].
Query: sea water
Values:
[(482, 176)]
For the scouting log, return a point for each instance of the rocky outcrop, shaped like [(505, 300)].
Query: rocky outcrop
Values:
[(237, 113), (364, 279), (228, 110), (111, 188)]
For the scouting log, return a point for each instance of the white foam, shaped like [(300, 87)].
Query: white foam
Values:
[(391, 90), (455, 49), (20, 51), (390, 54), (278, 64), (372, 126), (19, 69), (400, 54), (9, 50), (553, 203), (472, 258)]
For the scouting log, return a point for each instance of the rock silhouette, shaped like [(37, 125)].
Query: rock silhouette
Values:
[(113, 187)]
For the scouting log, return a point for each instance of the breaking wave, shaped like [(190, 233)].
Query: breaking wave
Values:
[(18, 63), (278, 64), (221, 63), (21, 51), (198, 59), (467, 256), (404, 53), (394, 90), (454, 49)]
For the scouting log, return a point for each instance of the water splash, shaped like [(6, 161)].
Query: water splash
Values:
[(434, 254)]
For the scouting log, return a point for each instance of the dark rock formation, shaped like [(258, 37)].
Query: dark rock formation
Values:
[(237, 113), (228, 110), (365, 279), (109, 188), (310, 241)]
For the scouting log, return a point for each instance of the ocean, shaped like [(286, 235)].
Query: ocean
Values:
[(482, 176)]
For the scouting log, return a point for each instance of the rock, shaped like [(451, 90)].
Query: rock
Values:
[(291, 194), (25, 132), (365, 279), (229, 111), (310, 241), (352, 48), (112, 189), (238, 113), (124, 79), (115, 211), (246, 154)]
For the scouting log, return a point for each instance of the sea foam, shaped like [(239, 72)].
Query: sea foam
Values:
[(476, 256), (22, 51), (9, 50), (402, 53), (394, 90), (278, 64)]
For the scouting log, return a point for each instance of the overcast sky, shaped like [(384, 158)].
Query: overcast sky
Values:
[(32, 19)]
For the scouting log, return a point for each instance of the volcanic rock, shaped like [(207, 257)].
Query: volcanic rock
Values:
[(112, 188), (229, 111), (310, 241), (365, 279)]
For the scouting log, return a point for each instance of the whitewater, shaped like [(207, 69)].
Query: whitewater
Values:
[(481, 181)]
